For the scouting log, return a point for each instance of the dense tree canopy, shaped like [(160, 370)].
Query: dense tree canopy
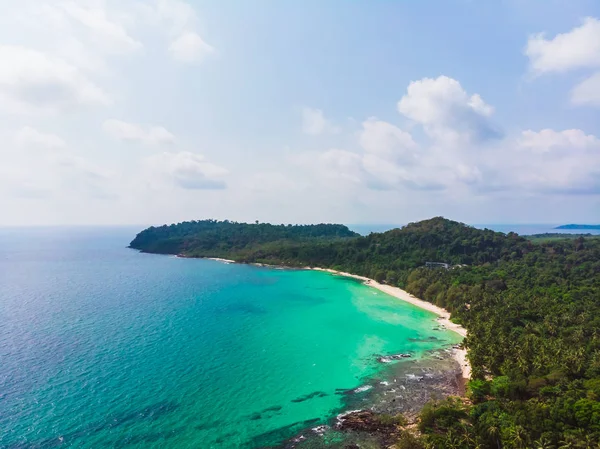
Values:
[(211, 238), (531, 308)]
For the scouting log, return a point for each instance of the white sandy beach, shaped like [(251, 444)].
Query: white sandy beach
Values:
[(444, 316), (219, 259)]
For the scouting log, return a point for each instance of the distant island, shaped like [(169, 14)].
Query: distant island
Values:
[(578, 226), (530, 307)]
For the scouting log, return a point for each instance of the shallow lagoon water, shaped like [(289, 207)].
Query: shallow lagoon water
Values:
[(101, 346)]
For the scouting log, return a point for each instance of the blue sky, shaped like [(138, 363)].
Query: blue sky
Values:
[(139, 112)]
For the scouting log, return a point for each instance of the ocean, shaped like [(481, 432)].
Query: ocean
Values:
[(102, 346)]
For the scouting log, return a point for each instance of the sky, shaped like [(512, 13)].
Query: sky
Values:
[(160, 111)]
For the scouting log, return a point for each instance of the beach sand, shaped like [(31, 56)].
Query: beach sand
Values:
[(460, 355)]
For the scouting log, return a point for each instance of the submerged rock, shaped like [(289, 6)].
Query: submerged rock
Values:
[(366, 421), (320, 430), (391, 358)]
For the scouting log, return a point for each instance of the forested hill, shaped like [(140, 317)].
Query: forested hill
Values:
[(387, 256), (211, 238), (437, 240), (391, 255), (531, 309)]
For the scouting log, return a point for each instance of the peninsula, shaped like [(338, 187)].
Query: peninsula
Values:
[(578, 226), (530, 309)]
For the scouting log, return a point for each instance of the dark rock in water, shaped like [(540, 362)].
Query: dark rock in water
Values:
[(306, 397), (366, 421), (275, 408), (343, 391), (403, 390), (208, 425), (417, 340), (390, 358), (272, 437)]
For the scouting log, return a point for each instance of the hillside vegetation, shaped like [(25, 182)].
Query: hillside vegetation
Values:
[(212, 238), (532, 311)]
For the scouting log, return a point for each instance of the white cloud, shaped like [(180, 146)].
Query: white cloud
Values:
[(86, 34), (460, 161), (564, 162), (186, 170), (387, 159), (548, 140), (342, 164), (28, 136), (315, 123), (531, 163), (587, 93), (41, 165), (387, 141), (540, 162), (446, 111), (77, 174), (189, 48), (270, 184), (34, 81), (579, 48), (153, 135), (109, 35), (179, 22), (342, 170), (175, 15)]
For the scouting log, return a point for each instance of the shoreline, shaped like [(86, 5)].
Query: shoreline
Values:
[(219, 259), (460, 355)]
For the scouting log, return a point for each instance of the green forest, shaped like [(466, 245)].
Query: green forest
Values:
[(531, 308), (212, 238)]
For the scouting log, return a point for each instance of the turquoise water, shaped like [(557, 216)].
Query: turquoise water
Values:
[(101, 346)]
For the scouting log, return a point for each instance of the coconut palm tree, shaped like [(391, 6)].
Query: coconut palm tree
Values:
[(493, 432), (543, 443), (518, 437)]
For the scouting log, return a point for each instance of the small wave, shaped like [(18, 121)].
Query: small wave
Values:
[(414, 377), (393, 357), (339, 418), (363, 388), (320, 430)]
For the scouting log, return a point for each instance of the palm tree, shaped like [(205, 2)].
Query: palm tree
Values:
[(494, 432), (589, 443), (566, 444), (452, 441), (518, 437), (543, 443)]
